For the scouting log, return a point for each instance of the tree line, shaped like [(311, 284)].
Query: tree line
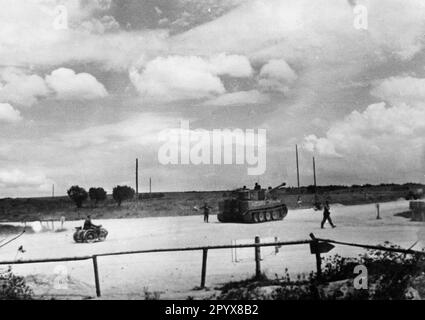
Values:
[(79, 195)]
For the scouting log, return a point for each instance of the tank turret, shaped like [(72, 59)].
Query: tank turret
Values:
[(252, 206)]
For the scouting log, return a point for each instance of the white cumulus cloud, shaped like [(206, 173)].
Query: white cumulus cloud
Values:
[(278, 69), (21, 88), (322, 146), (29, 36), (69, 85), (238, 98), (400, 89), (17, 177), (9, 114), (232, 65), (187, 77), (16, 181), (277, 75), (16, 86), (380, 139)]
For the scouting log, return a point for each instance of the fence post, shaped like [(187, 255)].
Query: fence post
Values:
[(204, 267), (319, 264), (276, 248), (378, 216), (96, 276), (257, 258), (318, 257)]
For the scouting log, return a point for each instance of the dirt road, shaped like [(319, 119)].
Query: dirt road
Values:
[(175, 275)]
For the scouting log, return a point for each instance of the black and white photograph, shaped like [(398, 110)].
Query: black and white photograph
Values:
[(212, 150)]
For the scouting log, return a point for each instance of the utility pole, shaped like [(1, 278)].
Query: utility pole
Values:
[(150, 186), (298, 166), (314, 173), (53, 191), (137, 178)]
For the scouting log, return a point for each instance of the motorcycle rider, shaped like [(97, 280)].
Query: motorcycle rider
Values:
[(89, 225), (90, 232)]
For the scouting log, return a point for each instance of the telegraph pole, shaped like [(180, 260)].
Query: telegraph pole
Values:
[(298, 166), (137, 178), (314, 173), (150, 186)]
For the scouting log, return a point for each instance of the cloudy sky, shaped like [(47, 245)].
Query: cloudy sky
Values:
[(87, 86)]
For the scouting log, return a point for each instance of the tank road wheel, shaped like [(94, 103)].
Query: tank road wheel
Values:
[(262, 216), (276, 215), (268, 215), (281, 214), (90, 236), (284, 212), (256, 217)]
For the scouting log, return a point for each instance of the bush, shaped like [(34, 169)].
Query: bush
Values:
[(97, 195), (393, 272), (78, 195), (390, 273), (311, 189), (391, 276), (147, 196), (338, 268), (122, 193), (13, 287), (151, 295), (412, 196), (279, 289)]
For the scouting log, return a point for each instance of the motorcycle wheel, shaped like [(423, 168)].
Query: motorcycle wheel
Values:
[(103, 234), (77, 236), (90, 236)]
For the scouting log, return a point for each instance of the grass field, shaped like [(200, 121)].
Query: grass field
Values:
[(183, 203)]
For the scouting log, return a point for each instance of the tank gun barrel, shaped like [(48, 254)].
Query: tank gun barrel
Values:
[(278, 187)]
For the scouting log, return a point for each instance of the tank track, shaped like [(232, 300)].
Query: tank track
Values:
[(260, 215)]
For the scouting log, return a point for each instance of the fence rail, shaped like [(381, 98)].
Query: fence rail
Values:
[(366, 246), (313, 242), (218, 247)]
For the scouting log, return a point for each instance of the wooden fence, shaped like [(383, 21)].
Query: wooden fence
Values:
[(316, 246)]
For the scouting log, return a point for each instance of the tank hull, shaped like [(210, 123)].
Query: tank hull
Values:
[(252, 211)]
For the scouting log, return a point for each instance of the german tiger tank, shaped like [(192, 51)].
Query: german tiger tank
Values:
[(252, 206)]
